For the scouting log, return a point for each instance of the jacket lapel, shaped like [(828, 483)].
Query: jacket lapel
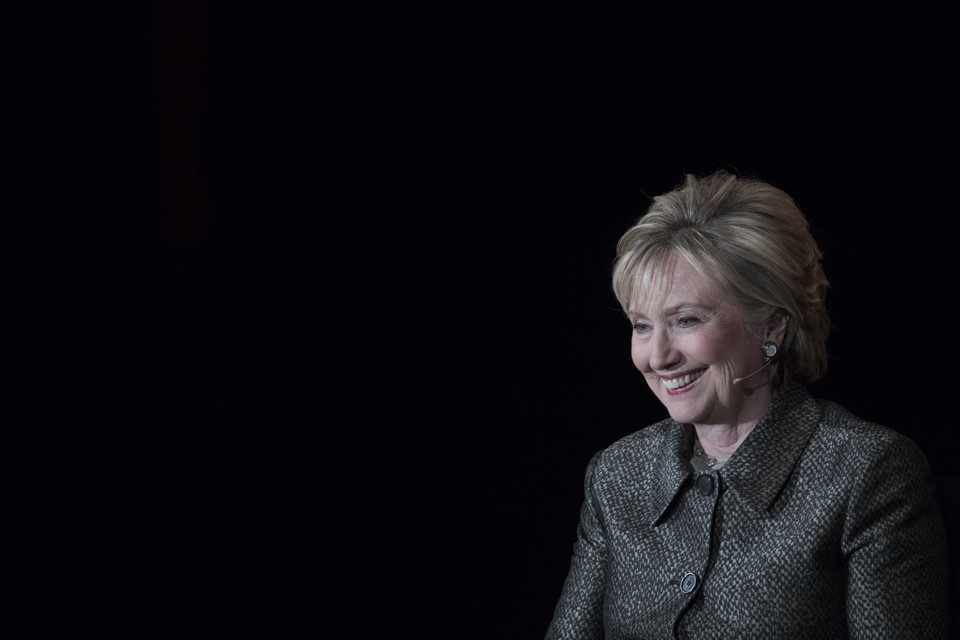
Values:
[(763, 463), (671, 470)]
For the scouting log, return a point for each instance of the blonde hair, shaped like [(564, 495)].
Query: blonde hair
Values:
[(751, 243)]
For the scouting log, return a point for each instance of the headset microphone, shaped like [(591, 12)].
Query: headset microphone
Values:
[(769, 351), (765, 364)]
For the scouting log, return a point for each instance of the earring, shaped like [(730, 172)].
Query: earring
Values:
[(770, 349)]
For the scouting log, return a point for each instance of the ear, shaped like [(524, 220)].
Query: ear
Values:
[(777, 329)]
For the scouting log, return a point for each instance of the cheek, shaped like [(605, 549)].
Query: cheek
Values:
[(640, 357)]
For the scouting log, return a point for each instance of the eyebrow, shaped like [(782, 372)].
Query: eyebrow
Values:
[(671, 310)]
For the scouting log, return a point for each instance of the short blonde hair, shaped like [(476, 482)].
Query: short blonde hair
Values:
[(754, 246)]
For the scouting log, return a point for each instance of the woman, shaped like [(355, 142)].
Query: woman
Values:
[(755, 510)]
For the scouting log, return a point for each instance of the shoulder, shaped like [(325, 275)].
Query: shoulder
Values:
[(863, 453), (842, 429), (636, 459), (643, 445)]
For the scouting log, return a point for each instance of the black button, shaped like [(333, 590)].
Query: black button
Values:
[(689, 583), (705, 484)]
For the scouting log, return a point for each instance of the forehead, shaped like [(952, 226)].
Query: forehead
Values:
[(672, 285)]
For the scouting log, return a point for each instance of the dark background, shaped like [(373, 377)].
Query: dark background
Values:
[(309, 322)]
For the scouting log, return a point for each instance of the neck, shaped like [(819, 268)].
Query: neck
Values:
[(721, 441)]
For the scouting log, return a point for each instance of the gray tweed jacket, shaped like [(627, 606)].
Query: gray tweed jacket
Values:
[(822, 525)]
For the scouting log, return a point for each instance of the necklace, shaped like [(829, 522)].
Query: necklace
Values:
[(710, 461)]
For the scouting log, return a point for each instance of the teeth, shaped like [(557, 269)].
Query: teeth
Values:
[(676, 383)]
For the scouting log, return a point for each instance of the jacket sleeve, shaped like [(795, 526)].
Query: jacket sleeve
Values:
[(579, 611), (895, 548)]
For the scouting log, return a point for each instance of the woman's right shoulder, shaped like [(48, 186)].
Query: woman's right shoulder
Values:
[(647, 443)]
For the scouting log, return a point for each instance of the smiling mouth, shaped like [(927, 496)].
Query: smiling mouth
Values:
[(681, 381)]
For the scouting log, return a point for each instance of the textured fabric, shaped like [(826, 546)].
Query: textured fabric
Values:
[(821, 525)]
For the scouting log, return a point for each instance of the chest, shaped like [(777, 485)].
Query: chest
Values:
[(712, 561)]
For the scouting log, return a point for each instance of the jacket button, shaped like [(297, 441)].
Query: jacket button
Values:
[(705, 484), (689, 583)]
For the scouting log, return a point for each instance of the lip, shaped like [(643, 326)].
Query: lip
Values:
[(681, 383)]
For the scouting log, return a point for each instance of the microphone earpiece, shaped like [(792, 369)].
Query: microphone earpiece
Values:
[(770, 350)]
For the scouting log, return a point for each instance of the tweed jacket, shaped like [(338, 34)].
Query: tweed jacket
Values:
[(821, 525)]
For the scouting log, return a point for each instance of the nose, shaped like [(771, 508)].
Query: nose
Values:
[(663, 354)]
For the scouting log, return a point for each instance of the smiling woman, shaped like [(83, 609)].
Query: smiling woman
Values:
[(755, 510), (693, 352)]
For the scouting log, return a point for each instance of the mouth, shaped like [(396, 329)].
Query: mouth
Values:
[(673, 384)]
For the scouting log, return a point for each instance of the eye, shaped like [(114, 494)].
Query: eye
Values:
[(687, 321), (640, 327)]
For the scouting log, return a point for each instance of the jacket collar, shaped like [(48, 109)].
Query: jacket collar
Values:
[(671, 469), (761, 465)]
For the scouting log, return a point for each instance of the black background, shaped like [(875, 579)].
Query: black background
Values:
[(309, 320)]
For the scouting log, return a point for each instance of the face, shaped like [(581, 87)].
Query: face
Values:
[(690, 345)]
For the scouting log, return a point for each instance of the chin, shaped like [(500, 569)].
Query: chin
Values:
[(680, 415)]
